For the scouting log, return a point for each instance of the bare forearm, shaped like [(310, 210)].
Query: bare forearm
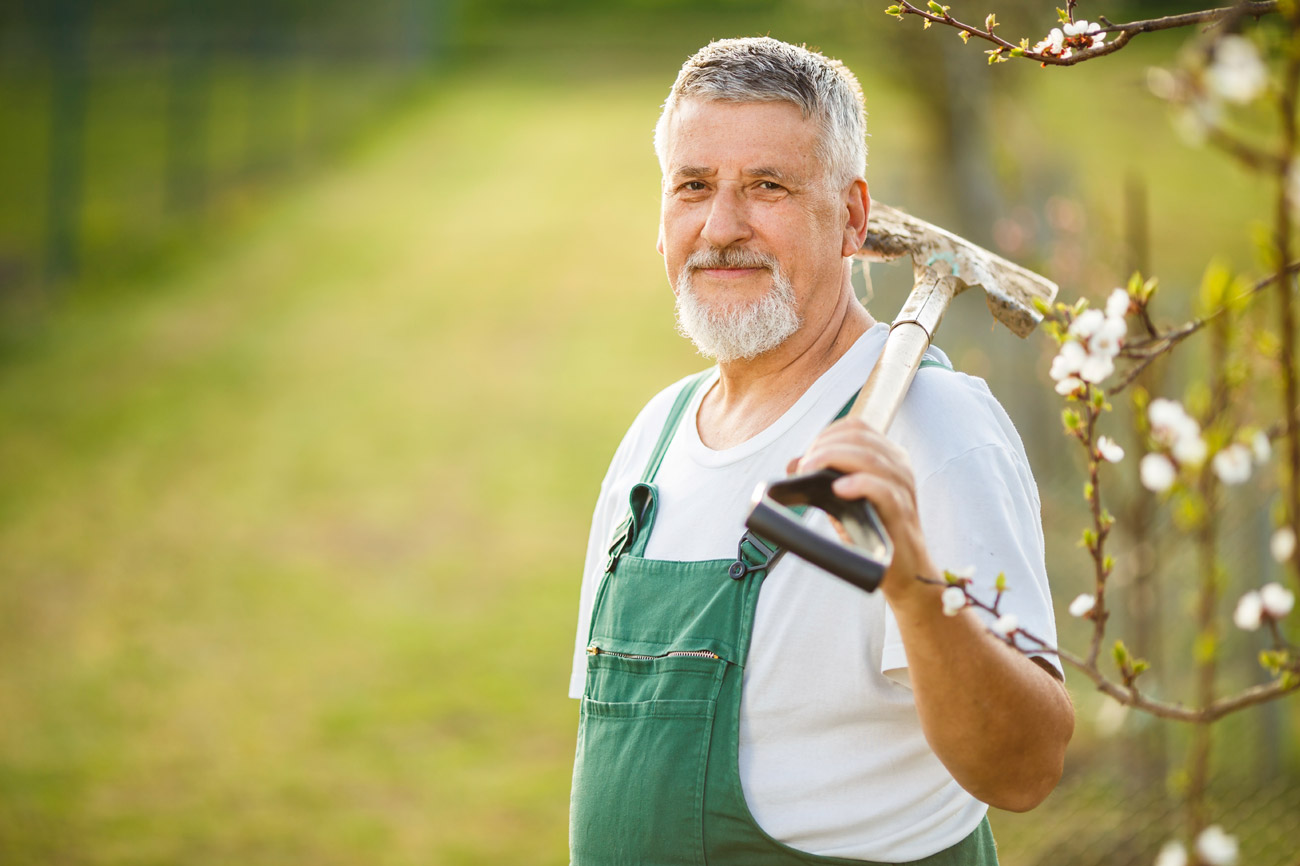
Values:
[(997, 721)]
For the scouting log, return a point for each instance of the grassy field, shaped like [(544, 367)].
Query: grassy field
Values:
[(290, 530)]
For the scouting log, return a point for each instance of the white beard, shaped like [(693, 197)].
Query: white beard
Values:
[(737, 331)]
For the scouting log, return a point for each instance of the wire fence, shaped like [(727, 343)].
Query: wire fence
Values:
[(1102, 818), (124, 121)]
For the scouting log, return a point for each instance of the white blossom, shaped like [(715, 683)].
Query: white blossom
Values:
[(1070, 385), (1276, 599), (1236, 73), (964, 573), (1282, 544), (1096, 368), (1094, 31), (1172, 854), (1068, 361), (1086, 324), (1250, 611), (1107, 339), (1082, 604), (1216, 847), (1083, 34), (1172, 427), (1117, 304), (1165, 414), (1157, 472), (954, 599), (1232, 464), (1260, 447), (1005, 625), (1053, 44), (1190, 450), (1109, 450)]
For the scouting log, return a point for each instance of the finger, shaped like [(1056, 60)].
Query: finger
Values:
[(851, 433), (852, 457)]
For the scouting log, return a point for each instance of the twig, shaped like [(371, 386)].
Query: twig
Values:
[(1124, 32), (1147, 351)]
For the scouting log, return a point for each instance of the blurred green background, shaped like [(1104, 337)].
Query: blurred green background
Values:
[(320, 324)]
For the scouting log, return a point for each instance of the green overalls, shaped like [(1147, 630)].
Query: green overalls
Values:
[(656, 779)]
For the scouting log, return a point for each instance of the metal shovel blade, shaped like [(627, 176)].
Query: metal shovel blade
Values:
[(772, 517)]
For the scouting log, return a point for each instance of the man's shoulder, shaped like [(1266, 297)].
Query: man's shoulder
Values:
[(948, 413), (642, 434)]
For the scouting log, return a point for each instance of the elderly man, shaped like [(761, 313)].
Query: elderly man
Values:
[(772, 713)]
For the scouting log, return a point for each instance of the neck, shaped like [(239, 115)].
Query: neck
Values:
[(752, 394)]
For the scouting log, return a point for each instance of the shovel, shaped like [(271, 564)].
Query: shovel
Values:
[(943, 266)]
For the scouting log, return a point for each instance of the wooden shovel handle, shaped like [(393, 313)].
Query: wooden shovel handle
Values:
[(909, 337)]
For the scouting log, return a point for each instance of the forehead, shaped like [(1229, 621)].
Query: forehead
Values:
[(736, 136)]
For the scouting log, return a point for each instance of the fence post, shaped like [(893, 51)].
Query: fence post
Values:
[(67, 39), (187, 107)]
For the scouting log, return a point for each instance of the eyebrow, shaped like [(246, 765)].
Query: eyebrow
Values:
[(773, 173), (698, 171), (695, 171)]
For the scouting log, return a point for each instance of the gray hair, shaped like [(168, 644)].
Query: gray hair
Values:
[(762, 69)]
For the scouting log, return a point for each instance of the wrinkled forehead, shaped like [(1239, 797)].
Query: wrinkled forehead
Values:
[(723, 134)]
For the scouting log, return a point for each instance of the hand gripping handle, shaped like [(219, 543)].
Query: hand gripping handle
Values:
[(863, 566)]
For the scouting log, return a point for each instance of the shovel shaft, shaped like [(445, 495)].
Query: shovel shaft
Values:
[(909, 337)]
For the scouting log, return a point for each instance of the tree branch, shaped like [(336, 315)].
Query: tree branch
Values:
[(1123, 32)]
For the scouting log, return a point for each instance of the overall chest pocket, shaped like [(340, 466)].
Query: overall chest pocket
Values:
[(643, 747)]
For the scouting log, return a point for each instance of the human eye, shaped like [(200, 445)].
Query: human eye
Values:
[(693, 186)]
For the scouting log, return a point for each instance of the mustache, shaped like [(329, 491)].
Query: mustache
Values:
[(730, 257)]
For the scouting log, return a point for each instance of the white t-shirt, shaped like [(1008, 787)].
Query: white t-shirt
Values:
[(832, 757)]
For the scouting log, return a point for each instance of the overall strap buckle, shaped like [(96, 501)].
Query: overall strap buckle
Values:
[(764, 556)]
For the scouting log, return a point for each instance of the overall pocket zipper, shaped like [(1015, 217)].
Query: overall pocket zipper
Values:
[(703, 654)]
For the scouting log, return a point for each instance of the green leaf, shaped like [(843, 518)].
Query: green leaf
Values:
[(1273, 660), (1120, 652), (1071, 419), (1001, 583), (1088, 490), (1089, 539), (965, 37), (1063, 15), (990, 22), (937, 9)]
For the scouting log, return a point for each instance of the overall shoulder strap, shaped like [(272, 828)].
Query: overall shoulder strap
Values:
[(634, 531), (671, 423)]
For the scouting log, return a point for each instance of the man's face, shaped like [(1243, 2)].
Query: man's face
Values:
[(752, 233)]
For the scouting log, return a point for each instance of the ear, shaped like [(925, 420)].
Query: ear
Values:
[(659, 243), (857, 200)]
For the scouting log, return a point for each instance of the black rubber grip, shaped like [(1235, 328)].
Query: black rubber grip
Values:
[(862, 565)]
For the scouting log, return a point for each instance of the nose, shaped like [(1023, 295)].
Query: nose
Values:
[(728, 219)]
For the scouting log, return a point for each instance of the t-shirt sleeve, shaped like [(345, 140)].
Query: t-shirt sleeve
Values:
[(981, 509)]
